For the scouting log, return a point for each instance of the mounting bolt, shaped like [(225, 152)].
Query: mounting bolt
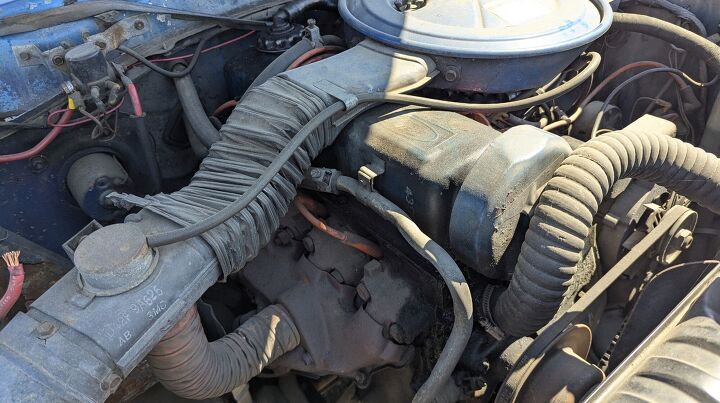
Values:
[(101, 44), (58, 60), (139, 25), (45, 330), (68, 87), (25, 56), (283, 237), (685, 236), (111, 382), (451, 74), (38, 163)]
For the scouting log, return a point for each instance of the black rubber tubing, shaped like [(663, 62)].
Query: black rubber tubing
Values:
[(449, 271), (147, 148), (238, 205), (282, 62), (193, 109), (679, 36), (564, 215)]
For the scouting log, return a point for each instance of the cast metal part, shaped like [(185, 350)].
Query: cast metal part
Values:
[(513, 386), (107, 271)]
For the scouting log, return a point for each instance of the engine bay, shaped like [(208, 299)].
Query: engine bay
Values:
[(338, 201)]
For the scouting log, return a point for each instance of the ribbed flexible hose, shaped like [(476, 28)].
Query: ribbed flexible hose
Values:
[(561, 223), (191, 367)]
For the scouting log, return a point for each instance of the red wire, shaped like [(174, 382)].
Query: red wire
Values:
[(312, 53), (39, 147), (218, 46), (51, 122), (225, 106), (135, 99)]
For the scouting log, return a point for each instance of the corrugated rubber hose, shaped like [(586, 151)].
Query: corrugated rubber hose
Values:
[(564, 214), (191, 367)]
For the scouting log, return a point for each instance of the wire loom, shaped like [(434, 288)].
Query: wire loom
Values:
[(258, 129)]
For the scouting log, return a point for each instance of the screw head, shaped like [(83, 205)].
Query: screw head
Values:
[(45, 330), (58, 60), (25, 56), (451, 74), (139, 25), (101, 44), (38, 163)]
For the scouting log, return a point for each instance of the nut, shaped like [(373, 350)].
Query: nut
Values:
[(685, 236), (139, 25), (58, 60), (25, 56)]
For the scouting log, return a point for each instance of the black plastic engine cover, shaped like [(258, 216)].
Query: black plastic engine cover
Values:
[(442, 167)]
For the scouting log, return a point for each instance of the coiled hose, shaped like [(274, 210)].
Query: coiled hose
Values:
[(191, 367), (269, 117), (564, 214)]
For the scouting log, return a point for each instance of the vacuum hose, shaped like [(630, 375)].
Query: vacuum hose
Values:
[(191, 367), (564, 214), (449, 271)]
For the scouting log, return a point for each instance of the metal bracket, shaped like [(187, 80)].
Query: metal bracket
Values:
[(313, 32), (368, 173), (321, 180), (71, 244), (120, 32), (31, 55), (334, 90)]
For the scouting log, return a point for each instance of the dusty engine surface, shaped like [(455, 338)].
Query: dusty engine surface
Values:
[(339, 201)]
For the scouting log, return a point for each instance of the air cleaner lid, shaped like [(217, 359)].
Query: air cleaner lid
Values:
[(481, 28)]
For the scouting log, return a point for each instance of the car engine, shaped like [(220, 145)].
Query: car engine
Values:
[(341, 201)]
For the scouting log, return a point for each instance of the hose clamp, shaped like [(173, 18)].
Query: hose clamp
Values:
[(334, 90)]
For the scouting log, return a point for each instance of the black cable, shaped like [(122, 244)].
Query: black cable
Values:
[(254, 191), (264, 180), (147, 148), (613, 94), (173, 74), (22, 125)]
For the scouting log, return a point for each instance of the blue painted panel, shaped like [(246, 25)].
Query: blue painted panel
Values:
[(22, 88)]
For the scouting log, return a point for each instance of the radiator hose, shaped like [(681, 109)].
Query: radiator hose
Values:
[(191, 367), (564, 214)]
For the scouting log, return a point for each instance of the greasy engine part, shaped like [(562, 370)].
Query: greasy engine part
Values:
[(330, 302), (449, 271), (680, 359), (486, 46), (560, 226), (93, 353), (532, 355), (356, 314), (467, 185)]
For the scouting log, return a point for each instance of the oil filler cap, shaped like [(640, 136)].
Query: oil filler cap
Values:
[(113, 259)]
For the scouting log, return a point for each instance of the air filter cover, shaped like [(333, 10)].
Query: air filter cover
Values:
[(485, 29)]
